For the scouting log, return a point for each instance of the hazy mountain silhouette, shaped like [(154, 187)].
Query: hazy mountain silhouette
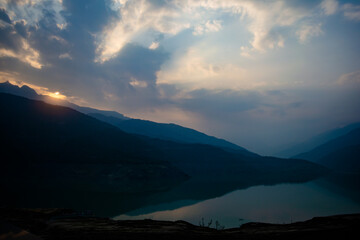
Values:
[(47, 142), (168, 131), (58, 149), (56, 134), (151, 129), (317, 141), (23, 91), (342, 153), (27, 92), (346, 159)]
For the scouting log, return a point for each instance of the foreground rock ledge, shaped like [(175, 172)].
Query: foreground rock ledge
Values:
[(67, 224)]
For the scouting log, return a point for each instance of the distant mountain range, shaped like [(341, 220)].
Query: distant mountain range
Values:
[(175, 139), (53, 146), (170, 131), (317, 141), (163, 131), (341, 153)]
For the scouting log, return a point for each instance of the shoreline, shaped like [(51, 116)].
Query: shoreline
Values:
[(68, 224)]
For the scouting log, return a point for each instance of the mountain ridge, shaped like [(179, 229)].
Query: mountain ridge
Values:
[(341, 153), (165, 131), (317, 140), (58, 135)]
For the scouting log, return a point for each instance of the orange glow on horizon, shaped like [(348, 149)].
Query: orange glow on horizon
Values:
[(56, 95)]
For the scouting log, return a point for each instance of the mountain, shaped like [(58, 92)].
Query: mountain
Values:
[(163, 131), (341, 153), (50, 151), (60, 135), (317, 141), (27, 92), (69, 149), (23, 91), (346, 159), (171, 132)]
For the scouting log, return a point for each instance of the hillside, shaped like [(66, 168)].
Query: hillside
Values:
[(56, 146), (171, 132), (341, 153), (317, 140), (346, 159), (168, 131)]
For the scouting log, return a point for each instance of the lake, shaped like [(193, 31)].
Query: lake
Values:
[(282, 203), (231, 203)]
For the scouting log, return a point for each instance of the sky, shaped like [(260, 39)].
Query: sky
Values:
[(262, 74)]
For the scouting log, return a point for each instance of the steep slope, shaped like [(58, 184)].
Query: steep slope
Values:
[(341, 153), (346, 159), (55, 134), (163, 131), (317, 141), (23, 91), (350, 139), (27, 92), (171, 132), (42, 141), (61, 150), (65, 130)]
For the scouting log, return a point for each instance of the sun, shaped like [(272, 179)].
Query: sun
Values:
[(56, 95)]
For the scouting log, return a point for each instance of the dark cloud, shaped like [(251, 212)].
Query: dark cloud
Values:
[(138, 62), (3, 16), (84, 18), (21, 28), (10, 39), (90, 15), (11, 35)]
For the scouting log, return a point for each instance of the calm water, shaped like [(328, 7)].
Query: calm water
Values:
[(283, 203)]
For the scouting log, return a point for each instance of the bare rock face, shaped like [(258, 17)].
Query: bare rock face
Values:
[(68, 224)]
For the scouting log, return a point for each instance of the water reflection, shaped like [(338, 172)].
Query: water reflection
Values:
[(249, 198), (283, 203)]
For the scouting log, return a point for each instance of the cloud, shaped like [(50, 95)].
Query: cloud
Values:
[(329, 6), (352, 12), (154, 45), (209, 26), (308, 31), (27, 55), (65, 56), (13, 44), (197, 69), (264, 23), (349, 80), (141, 21), (32, 11), (136, 83), (3, 16), (134, 18)]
